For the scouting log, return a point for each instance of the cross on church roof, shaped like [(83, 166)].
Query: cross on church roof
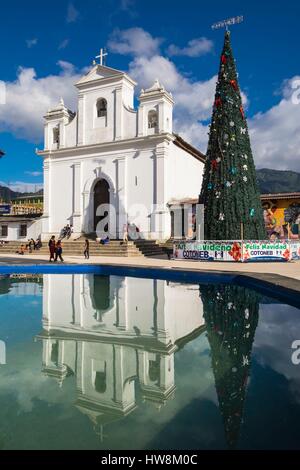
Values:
[(101, 56)]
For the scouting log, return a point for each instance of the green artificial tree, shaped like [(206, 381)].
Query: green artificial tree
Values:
[(232, 208), (231, 317)]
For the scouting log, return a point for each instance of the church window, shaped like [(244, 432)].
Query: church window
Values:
[(152, 119), (101, 107), (154, 369), (4, 230), (23, 230), (56, 135), (99, 376), (54, 353)]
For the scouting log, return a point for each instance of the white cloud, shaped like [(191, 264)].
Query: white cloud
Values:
[(275, 134), (33, 173), (72, 13), (133, 41), (63, 44), (195, 48), (31, 42), (193, 99), (28, 98)]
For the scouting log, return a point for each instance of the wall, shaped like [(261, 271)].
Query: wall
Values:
[(184, 175), (34, 230)]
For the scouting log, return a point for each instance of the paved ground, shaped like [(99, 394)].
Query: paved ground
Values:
[(284, 274)]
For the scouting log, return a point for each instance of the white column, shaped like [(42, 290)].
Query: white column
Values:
[(118, 114), (160, 210), (141, 121), (161, 117), (77, 198), (86, 213), (47, 198), (122, 312), (46, 136), (121, 209), (81, 120)]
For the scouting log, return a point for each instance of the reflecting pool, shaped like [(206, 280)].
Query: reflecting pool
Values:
[(110, 362)]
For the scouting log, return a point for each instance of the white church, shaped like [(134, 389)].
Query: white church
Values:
[(110, 153), (113, 164)]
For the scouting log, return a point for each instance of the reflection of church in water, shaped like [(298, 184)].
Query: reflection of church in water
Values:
[(118, 337)]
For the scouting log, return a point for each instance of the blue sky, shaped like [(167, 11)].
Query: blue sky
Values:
[(47, 45)]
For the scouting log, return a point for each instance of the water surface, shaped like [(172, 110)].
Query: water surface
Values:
[(108, 362)]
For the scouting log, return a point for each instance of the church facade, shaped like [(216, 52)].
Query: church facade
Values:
[(110, 164)]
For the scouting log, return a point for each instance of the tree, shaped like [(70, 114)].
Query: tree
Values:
[(232, 208), (231, 317)]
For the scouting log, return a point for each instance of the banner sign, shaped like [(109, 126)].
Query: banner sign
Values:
[(266, 251), (238, 251), (208, 251), (4, 209), (295, 250)]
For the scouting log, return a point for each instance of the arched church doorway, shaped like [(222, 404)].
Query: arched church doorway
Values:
[(101, 196)]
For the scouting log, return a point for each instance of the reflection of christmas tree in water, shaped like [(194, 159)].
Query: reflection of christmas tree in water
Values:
[(231, 316)]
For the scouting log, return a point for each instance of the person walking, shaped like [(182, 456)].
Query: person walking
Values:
[(125, 232), (58, 251), (51, 245), (86, 249)]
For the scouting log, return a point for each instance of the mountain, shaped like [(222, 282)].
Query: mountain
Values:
[(278, 181), (7, 194)]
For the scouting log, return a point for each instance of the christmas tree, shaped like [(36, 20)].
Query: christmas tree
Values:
[(231, 317), (232, 208)]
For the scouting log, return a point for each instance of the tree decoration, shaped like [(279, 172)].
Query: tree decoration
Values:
[(229, 164), (218, 101), (234, 85), (214, 164)]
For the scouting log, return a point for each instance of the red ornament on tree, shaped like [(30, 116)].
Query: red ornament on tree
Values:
[(234, 85), (242, 112), (223, 59), (214, 164), (218, 102)]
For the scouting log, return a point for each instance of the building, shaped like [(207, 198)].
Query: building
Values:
[(32, 204), (108, 156), (21, 218)]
